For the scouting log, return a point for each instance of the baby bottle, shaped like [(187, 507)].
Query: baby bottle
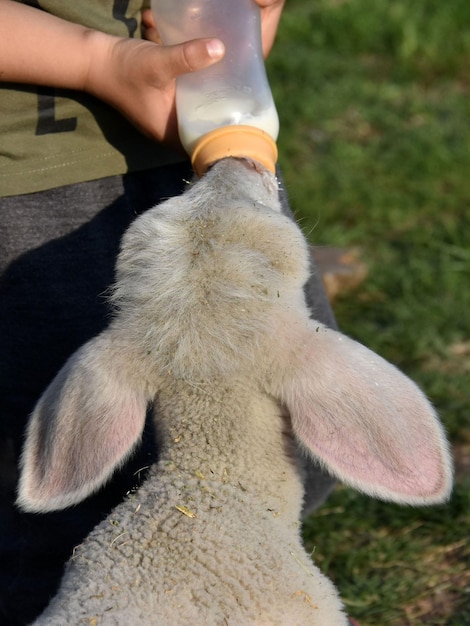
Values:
[(226, 109)]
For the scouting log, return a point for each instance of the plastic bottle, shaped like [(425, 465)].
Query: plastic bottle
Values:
[(226, 109)]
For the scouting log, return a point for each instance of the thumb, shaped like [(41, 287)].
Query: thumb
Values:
[(194, 55)]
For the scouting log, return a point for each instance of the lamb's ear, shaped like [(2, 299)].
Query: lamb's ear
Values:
[(85, 425), (366, 421)]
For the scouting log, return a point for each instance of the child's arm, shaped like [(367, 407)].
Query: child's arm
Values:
[(134, 76)]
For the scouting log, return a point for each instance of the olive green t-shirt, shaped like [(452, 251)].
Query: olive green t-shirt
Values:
[(50, 137)]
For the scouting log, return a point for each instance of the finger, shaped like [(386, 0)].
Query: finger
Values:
[(147, 19), (151, 34), (270, 18), (194, 55), (270, 3), (150, 31)]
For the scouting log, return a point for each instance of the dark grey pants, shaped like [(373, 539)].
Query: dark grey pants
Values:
[(57, 254)]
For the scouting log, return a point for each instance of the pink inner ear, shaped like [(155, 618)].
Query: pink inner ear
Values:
[(108, 437), (367, 422), (377, 465), (81, 430)]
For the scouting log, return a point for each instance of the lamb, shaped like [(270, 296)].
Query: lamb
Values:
[(211, 327)]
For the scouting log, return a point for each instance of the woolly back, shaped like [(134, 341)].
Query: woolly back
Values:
[(203, 278)]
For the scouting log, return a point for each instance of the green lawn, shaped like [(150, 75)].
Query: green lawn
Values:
[(375, 149)]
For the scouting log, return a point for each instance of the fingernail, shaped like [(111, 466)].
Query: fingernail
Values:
[(215, 48)]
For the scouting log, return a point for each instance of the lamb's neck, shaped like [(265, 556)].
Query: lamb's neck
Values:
[(230, 435)]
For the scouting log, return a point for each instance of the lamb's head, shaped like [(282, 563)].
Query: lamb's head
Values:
[(209, 285), (202, 278)]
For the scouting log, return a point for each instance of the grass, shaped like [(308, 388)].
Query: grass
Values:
[(375, 149)]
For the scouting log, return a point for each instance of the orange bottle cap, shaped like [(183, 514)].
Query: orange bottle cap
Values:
[(234, 141)]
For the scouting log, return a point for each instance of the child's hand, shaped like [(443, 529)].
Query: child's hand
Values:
[(138, 78)]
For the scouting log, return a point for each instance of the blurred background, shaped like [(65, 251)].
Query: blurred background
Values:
[(373, 98)]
